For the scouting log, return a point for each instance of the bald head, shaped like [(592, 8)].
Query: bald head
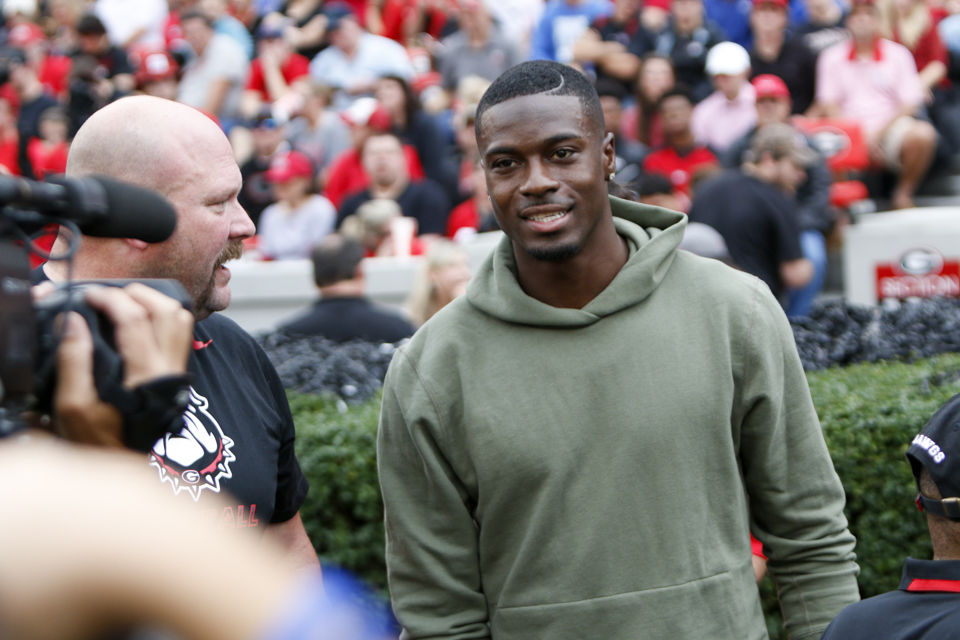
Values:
[(144, 140)]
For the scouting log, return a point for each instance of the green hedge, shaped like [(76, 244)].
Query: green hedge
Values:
[(869, 412)]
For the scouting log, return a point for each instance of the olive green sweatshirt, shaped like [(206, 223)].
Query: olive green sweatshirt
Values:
[(596, 472)]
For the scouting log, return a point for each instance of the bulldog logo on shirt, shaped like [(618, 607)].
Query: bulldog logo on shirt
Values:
[(199, 456)]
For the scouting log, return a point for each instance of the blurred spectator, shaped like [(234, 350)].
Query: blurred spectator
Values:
[(474, 215), (641, 121), (442, 279), (729, 112), (157, 75), (384, 162), (518, 19), (681, 159), (276, 73), (307, 27), (101, 71), (33, 102), (213, 80), (911, 23), (875, 81), (52, 67), (562, 22), (355, 58), (48, 151), (479, 47), (8, 139), (686, 40), (407, 21), (133, 24), (824, 26), (657, 190), (227, 24), (343, 311), (815, 217), (62, 23), (733, 19), (318, 130), (269, 139), (630, 153), (419, 129), (777, 54), (298, 220), (380, 227), (753, 209), (346, 174), (613, 45)]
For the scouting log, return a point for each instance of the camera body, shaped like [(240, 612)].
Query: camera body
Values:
[(107, 363)]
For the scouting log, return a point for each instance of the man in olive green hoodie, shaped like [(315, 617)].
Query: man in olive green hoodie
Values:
[(580, 446)]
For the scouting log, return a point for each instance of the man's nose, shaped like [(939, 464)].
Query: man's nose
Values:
[(538, 178), (241, 226)]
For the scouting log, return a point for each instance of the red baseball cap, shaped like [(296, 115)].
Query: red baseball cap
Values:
[(289, 165), (768, 85), (783, 4), (366, 111), (156, 65)]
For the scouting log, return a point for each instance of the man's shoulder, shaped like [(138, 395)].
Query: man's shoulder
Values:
[(878, 617)]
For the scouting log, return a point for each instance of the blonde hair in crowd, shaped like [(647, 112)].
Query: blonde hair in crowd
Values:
[(907, 28), (425, 297)]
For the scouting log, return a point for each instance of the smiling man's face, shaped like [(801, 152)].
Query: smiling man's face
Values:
[(546, 165)]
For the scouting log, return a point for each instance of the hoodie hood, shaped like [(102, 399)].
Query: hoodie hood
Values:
[(652, 234)]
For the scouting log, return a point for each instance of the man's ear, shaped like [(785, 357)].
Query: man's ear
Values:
[(609, 155)]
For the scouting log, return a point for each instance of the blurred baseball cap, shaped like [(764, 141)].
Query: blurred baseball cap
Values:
[(289, 165), (768, 85), (25, 34), (656, 4), (727, 58), (271, 27), (336, 13), (156, 65), (781, 140), (937, 449), (783, 4), (367, 112)]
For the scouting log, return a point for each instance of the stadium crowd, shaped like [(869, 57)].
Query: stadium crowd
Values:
[(331, 104)]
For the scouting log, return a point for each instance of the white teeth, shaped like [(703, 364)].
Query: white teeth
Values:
[(548, 217)]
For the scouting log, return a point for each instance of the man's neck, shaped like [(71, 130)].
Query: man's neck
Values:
[(344, 289), (768, 44), (391, 191)]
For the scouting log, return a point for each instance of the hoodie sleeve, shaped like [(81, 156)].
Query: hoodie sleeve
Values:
[(796, 498), (432, 551)]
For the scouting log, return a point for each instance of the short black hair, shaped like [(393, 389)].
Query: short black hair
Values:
[(90, 25), (652, 184), (607, 86), (541, 76), (335, 259), (677, 91)]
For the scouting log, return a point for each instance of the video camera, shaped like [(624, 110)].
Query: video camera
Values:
[(29, 333)]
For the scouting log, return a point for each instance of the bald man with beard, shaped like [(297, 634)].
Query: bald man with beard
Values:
[(238, 436)]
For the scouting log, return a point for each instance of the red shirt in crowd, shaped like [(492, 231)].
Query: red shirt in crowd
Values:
[(346, 175), (295, 66), (679, 168)]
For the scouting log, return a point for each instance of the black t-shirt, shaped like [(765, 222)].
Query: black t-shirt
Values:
[(757, 221), (424, 200), (238, 433), (342, 319), (796, 66)]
